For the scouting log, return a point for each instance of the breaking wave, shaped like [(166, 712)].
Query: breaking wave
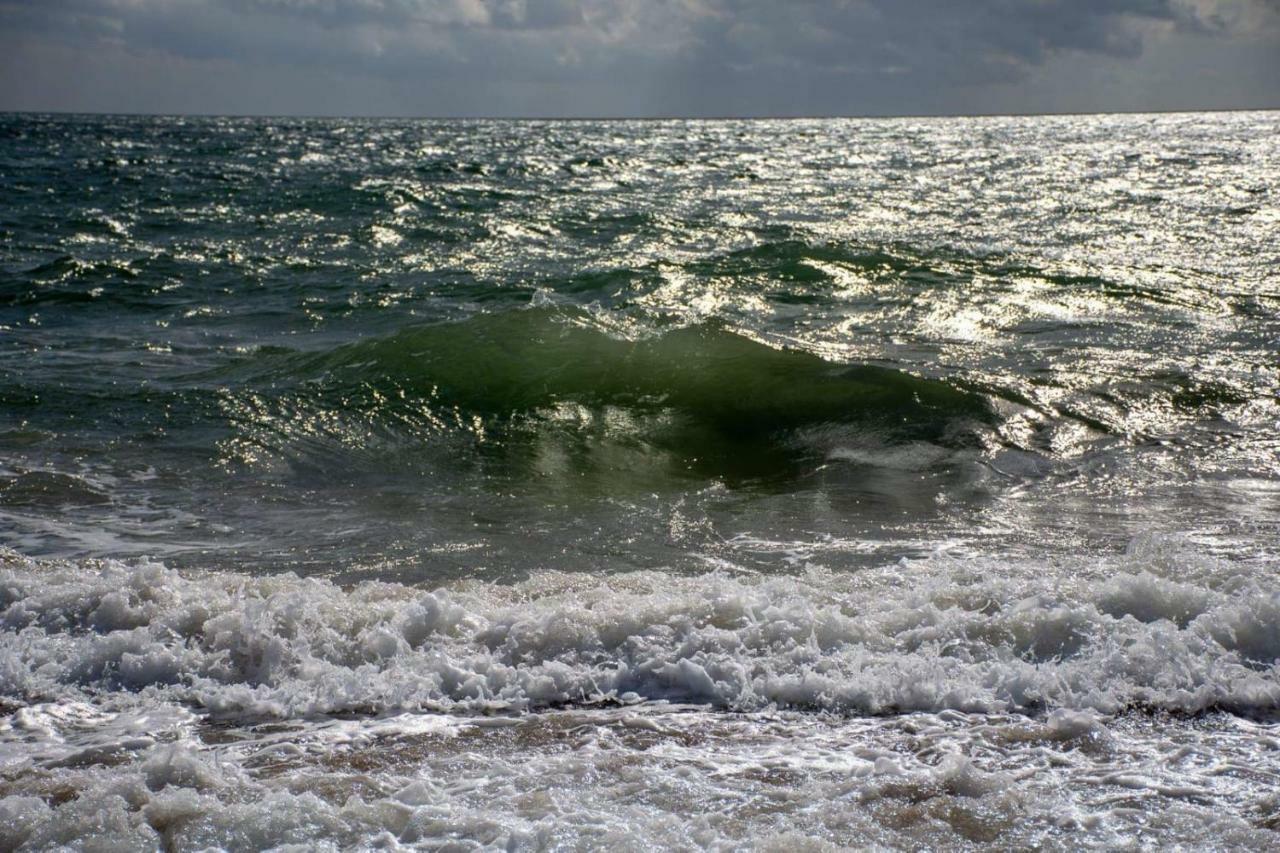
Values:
[(1158, 628), (702, 396)]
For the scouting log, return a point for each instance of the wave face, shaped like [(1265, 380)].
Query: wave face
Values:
[(526, 361), (699, 397)]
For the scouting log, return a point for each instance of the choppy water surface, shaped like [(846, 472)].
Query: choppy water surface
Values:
[(731, 484)]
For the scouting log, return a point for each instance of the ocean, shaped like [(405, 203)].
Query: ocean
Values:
[(796, 485)]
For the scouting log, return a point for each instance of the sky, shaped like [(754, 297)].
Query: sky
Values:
[(605, 58)]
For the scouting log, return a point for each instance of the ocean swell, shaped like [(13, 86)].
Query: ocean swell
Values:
[(700, 397)]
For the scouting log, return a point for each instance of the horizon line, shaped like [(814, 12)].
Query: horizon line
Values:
[(653, 118)]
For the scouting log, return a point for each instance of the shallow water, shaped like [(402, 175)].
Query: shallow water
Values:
[(733, 484)]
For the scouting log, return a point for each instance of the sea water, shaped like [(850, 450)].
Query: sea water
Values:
[(381, 484)]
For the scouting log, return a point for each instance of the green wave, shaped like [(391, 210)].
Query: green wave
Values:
[(535, 359), (556, 396)]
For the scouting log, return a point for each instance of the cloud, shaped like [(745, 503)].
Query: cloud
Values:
[(674, 56)]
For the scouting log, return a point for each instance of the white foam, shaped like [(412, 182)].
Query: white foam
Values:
[(665, 776), (959, 698), (973, 634)]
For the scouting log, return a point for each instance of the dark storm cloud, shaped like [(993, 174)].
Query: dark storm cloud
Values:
[(618, 56)]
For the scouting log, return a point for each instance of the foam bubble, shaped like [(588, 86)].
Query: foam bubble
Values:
[(663, 776), (973, 634), (932, 701)]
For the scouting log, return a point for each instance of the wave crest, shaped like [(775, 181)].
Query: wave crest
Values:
[(701, 397)]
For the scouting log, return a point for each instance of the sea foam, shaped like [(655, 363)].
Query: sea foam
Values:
[(944, 700), (1157, 627)]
